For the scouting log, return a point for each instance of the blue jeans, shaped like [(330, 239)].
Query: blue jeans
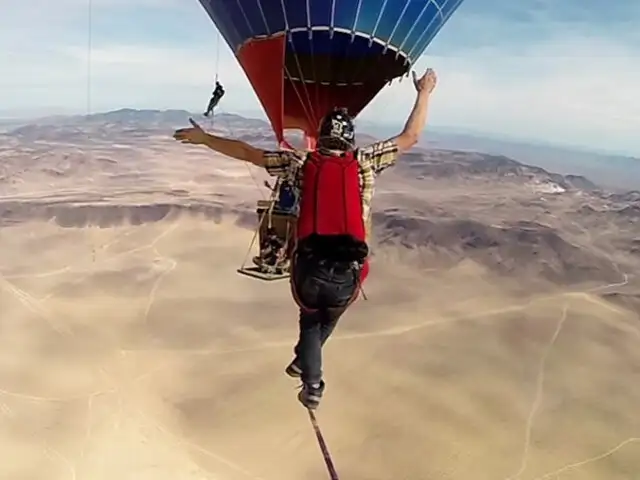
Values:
[(325, 287)]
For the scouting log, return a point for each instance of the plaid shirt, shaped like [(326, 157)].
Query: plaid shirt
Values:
[(372, 160)]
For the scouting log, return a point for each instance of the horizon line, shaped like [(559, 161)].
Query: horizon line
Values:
[(441, 129)]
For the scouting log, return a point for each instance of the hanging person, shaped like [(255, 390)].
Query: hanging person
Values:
[(217, 95), (326, 276)]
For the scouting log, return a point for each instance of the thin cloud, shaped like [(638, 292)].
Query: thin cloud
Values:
[(541, 69), (555, 94)]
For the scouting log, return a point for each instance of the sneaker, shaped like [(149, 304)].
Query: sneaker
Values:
[(310, 395), (293, 369)]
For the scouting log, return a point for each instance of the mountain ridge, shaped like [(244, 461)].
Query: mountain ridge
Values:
[(514, 219)]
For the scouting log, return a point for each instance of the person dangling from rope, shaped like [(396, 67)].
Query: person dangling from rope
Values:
[(216, 96)]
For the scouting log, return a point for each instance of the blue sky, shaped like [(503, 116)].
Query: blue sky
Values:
[(562, 71)]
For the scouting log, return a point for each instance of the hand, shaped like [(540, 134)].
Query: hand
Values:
[(194, 135), (426, 83)]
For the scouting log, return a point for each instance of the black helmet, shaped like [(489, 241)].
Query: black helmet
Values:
[(336, 131)]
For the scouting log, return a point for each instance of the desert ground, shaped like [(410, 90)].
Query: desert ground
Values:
[(138, 352), (499, 340)]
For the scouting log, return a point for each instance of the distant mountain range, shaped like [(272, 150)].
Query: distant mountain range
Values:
[(612, 171), (448, 204)]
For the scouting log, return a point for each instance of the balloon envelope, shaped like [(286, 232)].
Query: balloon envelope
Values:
[(304, 57)]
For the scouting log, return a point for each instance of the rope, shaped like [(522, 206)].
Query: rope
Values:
[(269, 211), (213, 114), (89, 72), (253, 177), (248, 167), (217, 65), (266, 214), (275, 196), (364, 295), (253, 241), (217, 54), (333, 474), (89, 52)]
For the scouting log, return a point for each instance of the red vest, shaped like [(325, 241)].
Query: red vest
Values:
[(330, 201), (331, 206)]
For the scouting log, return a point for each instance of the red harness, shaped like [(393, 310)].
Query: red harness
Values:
[(331, 207), (330, 201)]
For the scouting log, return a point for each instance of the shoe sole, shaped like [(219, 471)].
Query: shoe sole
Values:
[(292, 373), (311, 406)]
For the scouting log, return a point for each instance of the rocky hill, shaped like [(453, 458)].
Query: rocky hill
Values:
[(462, 164), (526, 248), (514, 219)]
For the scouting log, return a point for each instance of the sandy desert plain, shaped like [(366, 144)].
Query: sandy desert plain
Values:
[(500, 339)]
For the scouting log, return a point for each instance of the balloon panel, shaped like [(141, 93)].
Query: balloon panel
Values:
[(408, 25), (317, 54)]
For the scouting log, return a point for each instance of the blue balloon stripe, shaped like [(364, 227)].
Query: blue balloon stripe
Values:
[(429, 14), (434, 26), (345, 16), (250, 12), (408, 25), (411, 16), (274, 14), (369, 15), (389, 18), (296, 13), (341, 44), (320, 12), (236, 17)]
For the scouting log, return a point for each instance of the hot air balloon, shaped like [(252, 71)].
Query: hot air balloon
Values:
[(303, 57)]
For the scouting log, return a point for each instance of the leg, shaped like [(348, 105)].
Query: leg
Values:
[(213, 103), (329, 322), (315, 329), (309, 350), (309, 322), (341, 286), (334, 288), (328, 289), (309, 347)]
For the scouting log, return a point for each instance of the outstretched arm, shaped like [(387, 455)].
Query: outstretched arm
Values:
[(418, 117), (382, 155), (415, 124), (277, 163), (233, 148)]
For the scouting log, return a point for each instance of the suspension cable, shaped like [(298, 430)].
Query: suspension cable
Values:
[(217, 53), (88, 105)]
